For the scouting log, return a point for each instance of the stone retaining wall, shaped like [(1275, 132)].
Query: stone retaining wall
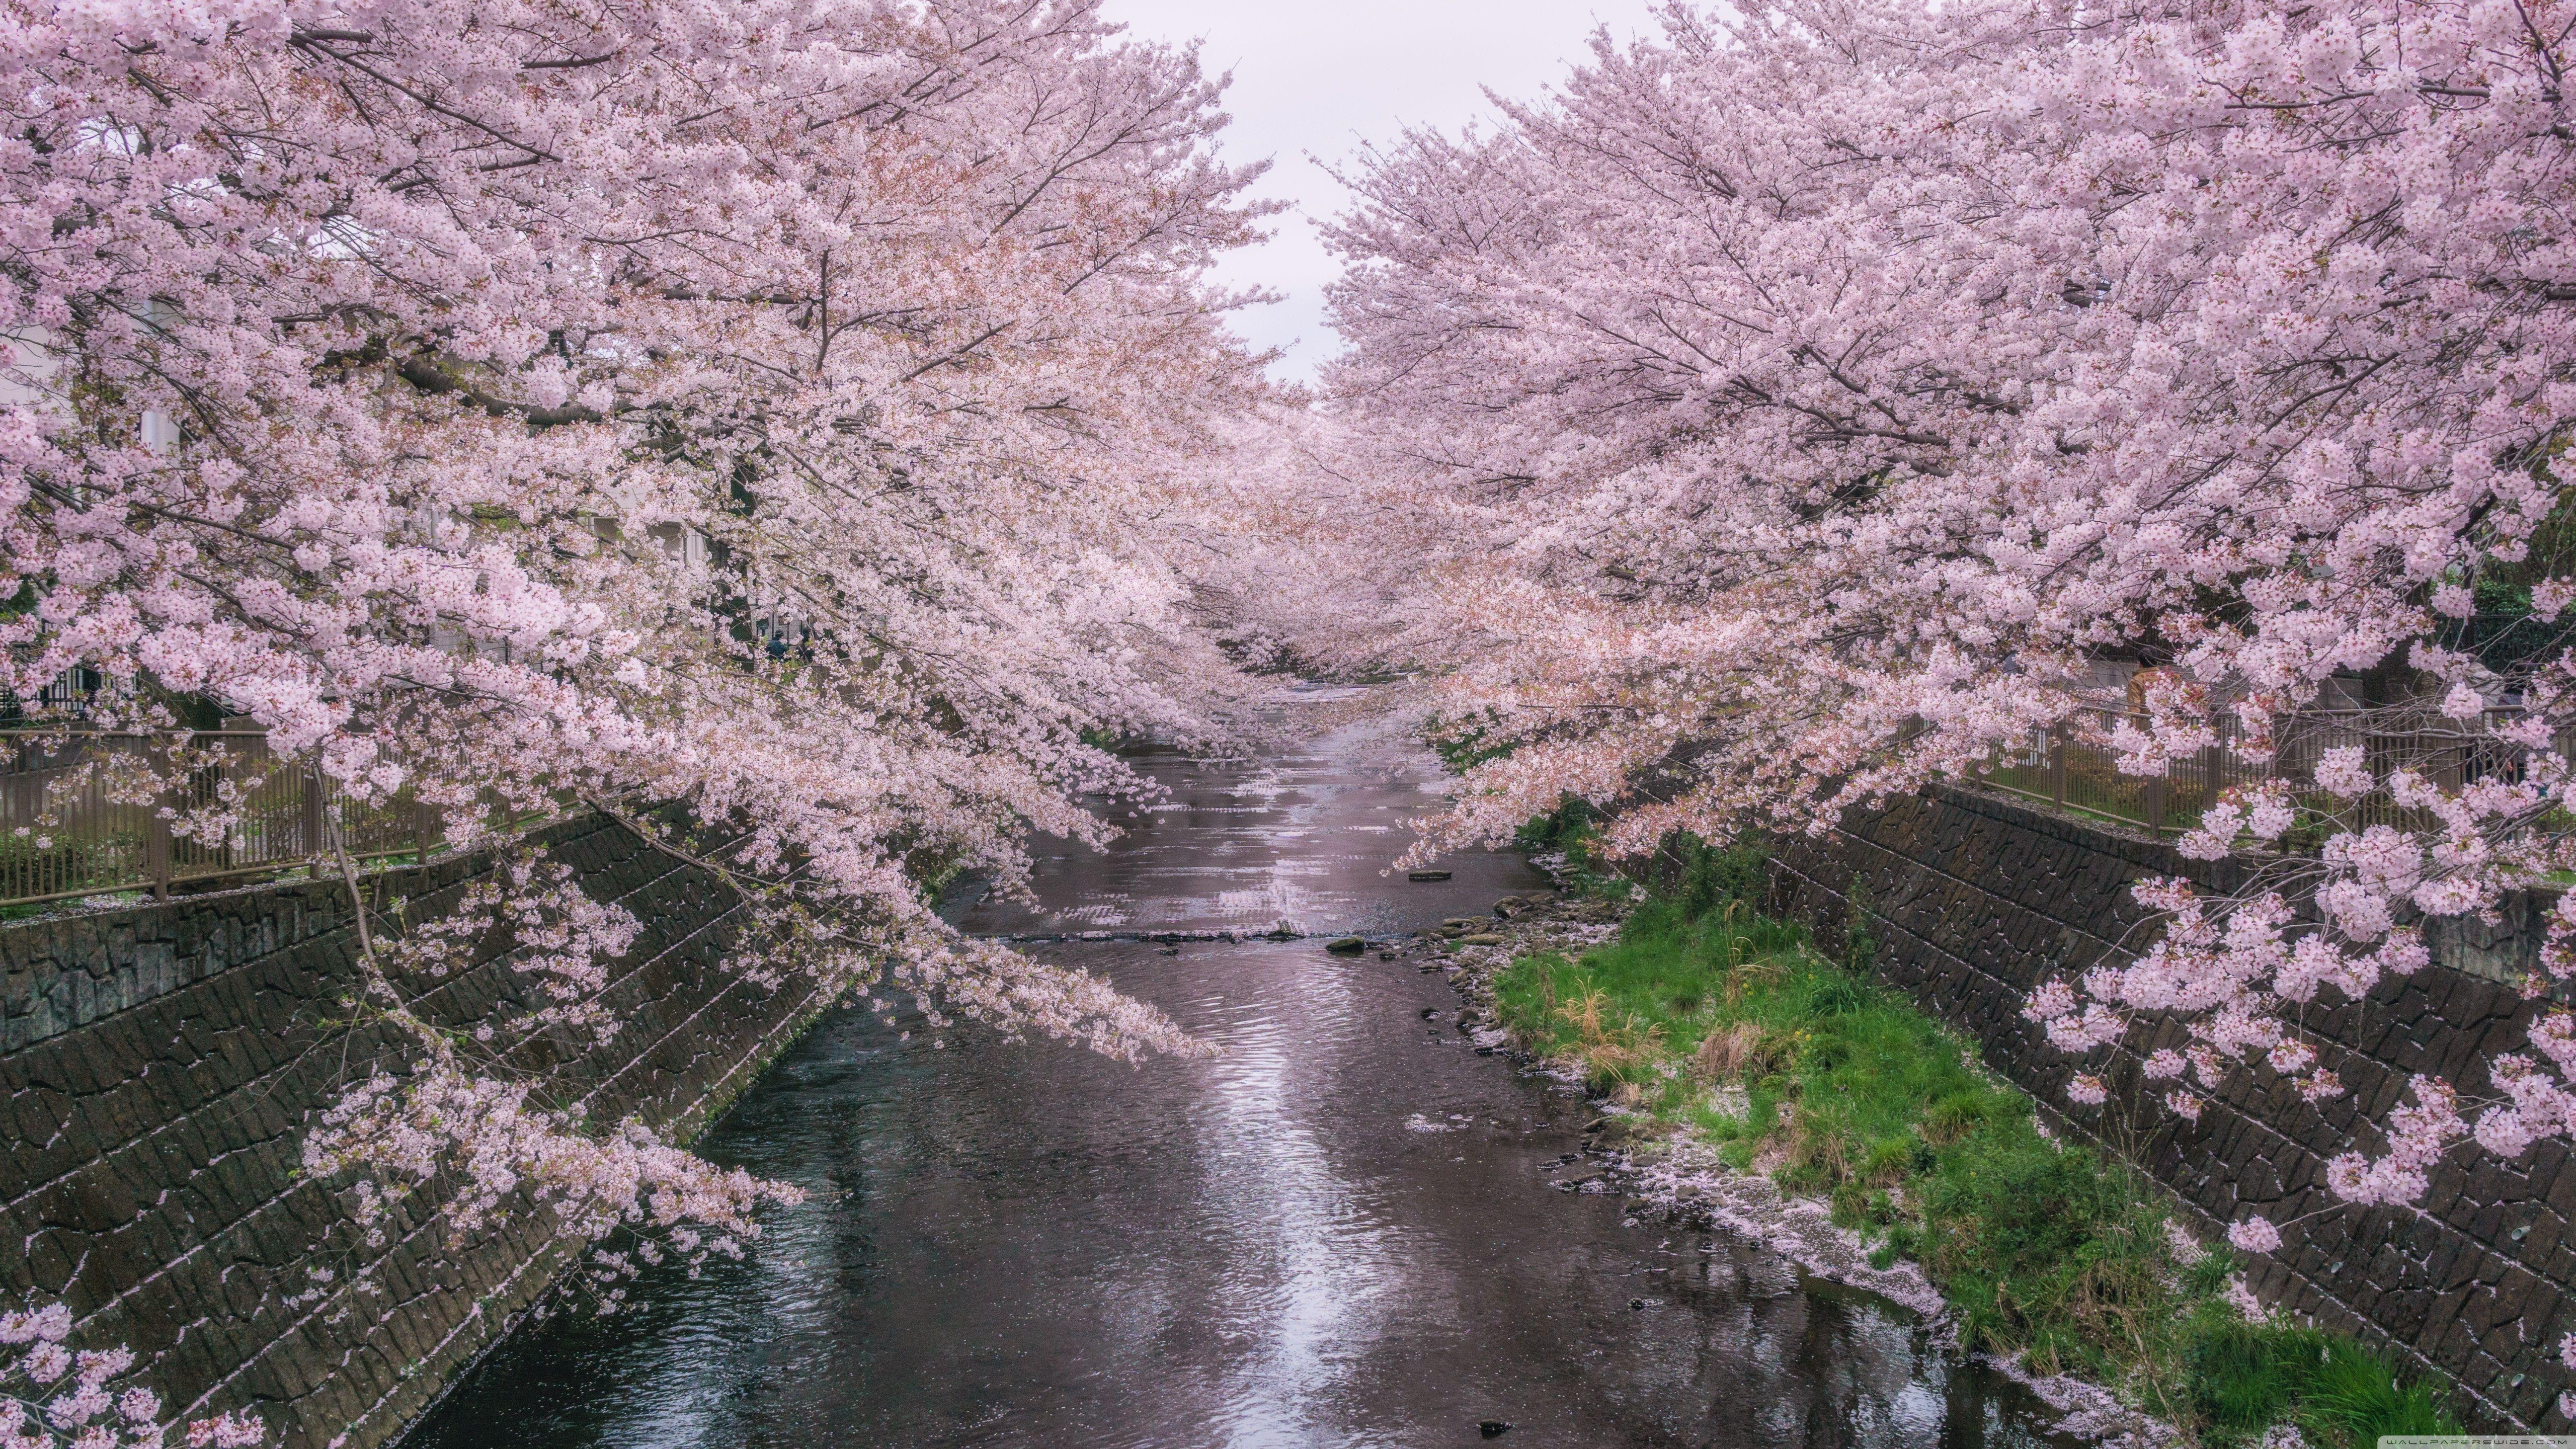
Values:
[(1973, 900), (160, 1065)]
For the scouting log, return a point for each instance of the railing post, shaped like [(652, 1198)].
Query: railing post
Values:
[(2057, 766), (312, 817), (2155, 804), (227, 767), (424, 829), (156, 845)]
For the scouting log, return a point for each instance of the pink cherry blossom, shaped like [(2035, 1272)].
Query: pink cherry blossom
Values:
[(789, 426), (52, 1397), (2340, 771), (1810, 402), (2241, 1297), (2253, 1235)]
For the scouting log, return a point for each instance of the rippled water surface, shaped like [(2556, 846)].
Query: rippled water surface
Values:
[(1338, 1232)]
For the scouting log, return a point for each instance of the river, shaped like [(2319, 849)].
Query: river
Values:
[(1338, 1232)]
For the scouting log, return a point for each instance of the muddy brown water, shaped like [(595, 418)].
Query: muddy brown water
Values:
[(1342, 1231)]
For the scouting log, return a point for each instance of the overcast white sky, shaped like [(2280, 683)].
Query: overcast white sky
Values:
[(1318, 77)]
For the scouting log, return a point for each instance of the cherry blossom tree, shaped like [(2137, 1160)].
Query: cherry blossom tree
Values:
[(1813, 392), (770, 423)]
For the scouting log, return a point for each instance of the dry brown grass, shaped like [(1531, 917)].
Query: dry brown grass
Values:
[(1612, 1043), (1749, 975), (1744, 1052), (1823, 1154)]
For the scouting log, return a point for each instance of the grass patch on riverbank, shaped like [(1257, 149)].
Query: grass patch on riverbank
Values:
[(1737, 1029)]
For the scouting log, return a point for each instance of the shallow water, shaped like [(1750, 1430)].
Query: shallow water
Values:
[(1341, 1231)]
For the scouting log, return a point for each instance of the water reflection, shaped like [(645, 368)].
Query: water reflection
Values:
[(1339, 1232), (1301, 840)]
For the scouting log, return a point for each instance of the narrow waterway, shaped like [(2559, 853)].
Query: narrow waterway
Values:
[(1340, 1231)]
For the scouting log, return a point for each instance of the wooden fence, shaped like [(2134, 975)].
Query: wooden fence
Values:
[(91, 813), (2073, 767)]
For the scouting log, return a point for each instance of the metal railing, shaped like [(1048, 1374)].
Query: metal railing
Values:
[(2073, 766), (93, 813)]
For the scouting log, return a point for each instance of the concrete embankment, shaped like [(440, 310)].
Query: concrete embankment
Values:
[(1974, 900), (161, 1065)]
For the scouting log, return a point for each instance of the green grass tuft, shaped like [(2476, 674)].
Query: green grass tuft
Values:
[(1729, 1025)]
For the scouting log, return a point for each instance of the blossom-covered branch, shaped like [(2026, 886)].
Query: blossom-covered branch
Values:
[(772, 420), (1817, 400)]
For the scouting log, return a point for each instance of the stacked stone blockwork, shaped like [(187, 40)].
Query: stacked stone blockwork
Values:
[(160, 1066), (1973, 900)]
